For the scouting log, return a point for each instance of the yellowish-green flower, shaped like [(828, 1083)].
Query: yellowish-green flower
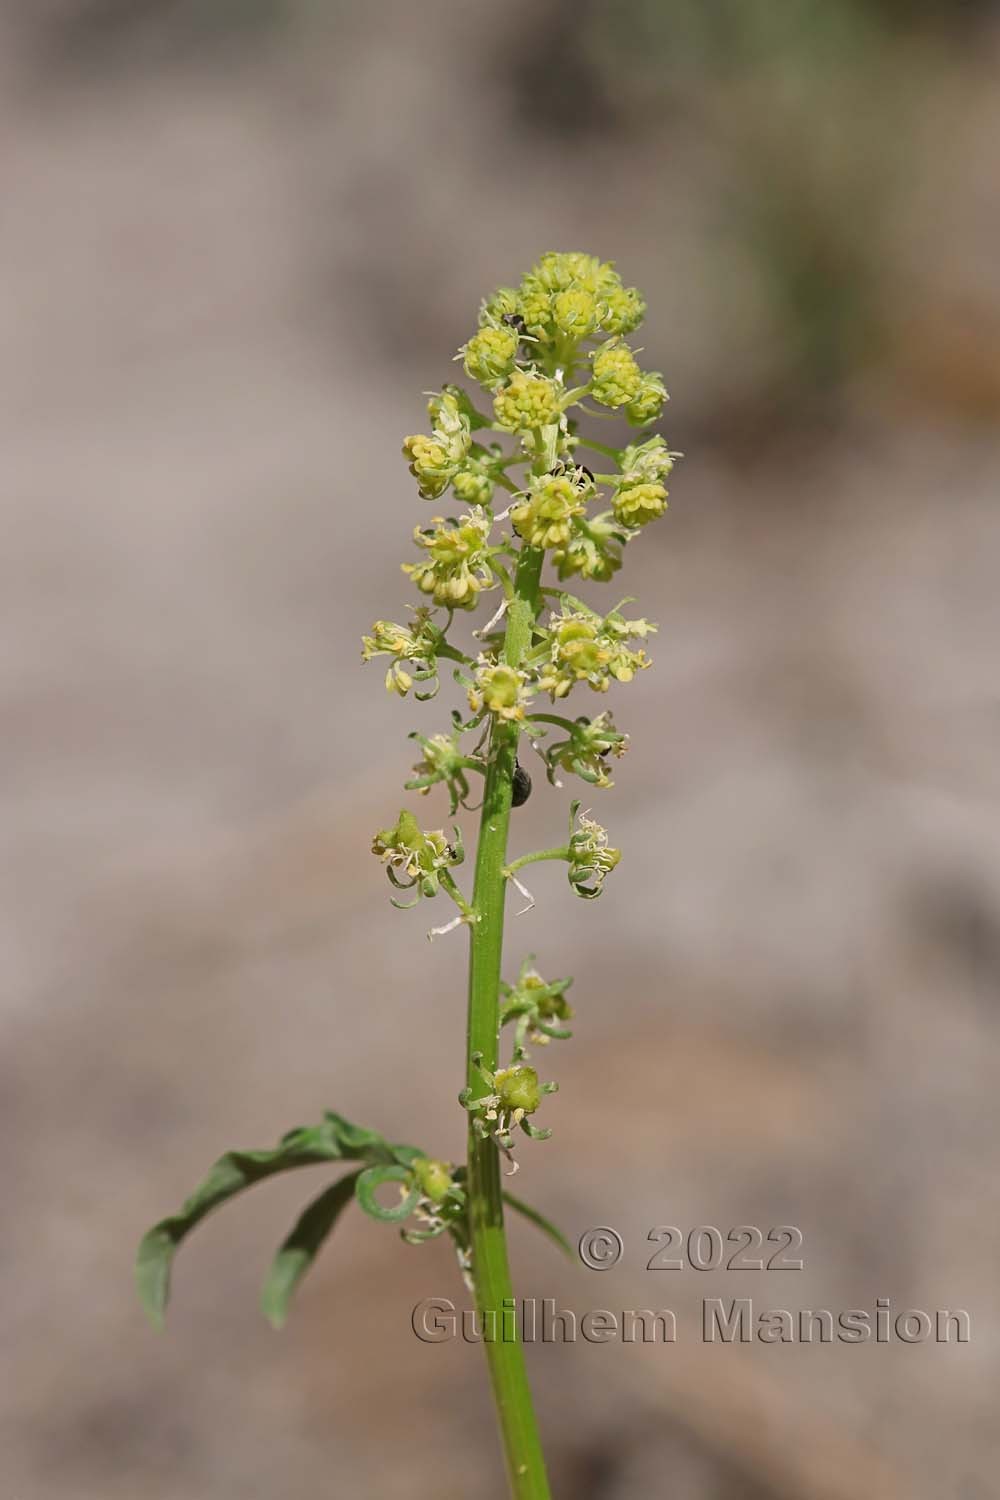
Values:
[(651, 460), (544, 517), (457, 566), (585, 750), (500, 689), (621, 309), (416, 644), (490, 354), (647, 405), (528, 400), (590, 857), (593, 551), (412, 855), (583, 647), (616, 378), (637, 504), (433, 460), (640, 495), (429, 465)]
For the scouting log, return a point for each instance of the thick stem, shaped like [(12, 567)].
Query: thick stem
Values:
[(491, 1273)]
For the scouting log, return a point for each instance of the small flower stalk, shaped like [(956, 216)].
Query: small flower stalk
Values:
[(527, 502)]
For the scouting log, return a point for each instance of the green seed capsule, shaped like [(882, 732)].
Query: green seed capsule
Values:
[(433, 1176), (517, 1088)]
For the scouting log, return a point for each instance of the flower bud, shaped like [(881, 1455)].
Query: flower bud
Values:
[(647, 405), (637, 504), (490, 354), (621, 310), (527, 400), (574, 313), (616, 378)]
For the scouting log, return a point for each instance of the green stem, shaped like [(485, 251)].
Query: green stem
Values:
[(563, 852), (490, 1269)]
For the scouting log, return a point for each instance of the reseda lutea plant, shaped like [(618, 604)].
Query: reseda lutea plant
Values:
[(547, 353)]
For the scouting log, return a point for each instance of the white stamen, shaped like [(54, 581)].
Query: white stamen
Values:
[(524, 892), (496, 618), (448, 927)]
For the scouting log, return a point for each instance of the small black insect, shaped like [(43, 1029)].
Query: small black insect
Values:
[(522, 786), (515, 321), (562, 467)]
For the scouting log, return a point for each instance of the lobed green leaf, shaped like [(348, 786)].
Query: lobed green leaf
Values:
[(334, 1139)]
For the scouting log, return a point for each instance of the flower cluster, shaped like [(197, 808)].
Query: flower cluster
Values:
[(546, 352), (566, 298)]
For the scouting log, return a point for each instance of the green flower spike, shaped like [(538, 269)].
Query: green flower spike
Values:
[(551, 354)]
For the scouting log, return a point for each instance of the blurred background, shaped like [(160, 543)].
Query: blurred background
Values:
[(240, 239)]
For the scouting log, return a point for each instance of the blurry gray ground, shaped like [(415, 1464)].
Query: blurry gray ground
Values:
[(227, 278)]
